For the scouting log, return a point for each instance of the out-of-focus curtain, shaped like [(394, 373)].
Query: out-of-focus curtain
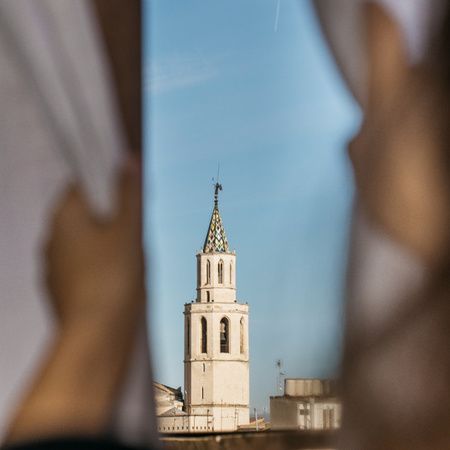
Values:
[(59, 124), (395, 366)]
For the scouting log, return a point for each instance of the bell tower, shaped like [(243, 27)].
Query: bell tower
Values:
[(216, 356)]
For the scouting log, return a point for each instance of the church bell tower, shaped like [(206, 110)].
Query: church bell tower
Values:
[(216, 354)]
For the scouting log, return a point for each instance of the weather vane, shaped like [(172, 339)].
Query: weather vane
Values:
[(217, 187)]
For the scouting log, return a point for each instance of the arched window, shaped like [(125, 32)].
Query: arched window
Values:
[(208, 272), (224, 336), (188, 336), (220, 272), (204, 336), (231, 273), (242, 335)]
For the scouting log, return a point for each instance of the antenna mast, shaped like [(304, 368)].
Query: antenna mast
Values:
[(280, 375)]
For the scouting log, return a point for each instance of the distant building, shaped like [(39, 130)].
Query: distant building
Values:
[(216, 355), (171, 415), (167, 398), (176, 421), (216, 351), (307, 404)]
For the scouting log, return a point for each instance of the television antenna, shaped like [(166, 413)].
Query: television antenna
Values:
[(280, 375)]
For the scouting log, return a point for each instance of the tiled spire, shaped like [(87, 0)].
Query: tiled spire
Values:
[(216, 239)]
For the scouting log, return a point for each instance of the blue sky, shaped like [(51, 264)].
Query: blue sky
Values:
[(225, 84)]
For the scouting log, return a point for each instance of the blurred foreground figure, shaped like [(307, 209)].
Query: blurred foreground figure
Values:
[(74, 355), (396, 370)]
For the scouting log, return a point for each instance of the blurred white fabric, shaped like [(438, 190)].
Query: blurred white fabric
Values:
[(58, 123)]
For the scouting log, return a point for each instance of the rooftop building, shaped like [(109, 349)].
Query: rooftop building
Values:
[(307, 404)]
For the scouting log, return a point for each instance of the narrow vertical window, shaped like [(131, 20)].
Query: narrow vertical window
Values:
[(208, 272), (332, 425), (231, 273), (242, 335), (203, 393), (188, 336), (204, 337), (224, 336), (199, 266), (220, 272), (208, 296), (328, 417), (204, 367), (325, 419)]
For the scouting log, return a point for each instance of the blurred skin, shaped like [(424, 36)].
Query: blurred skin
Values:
[(96, 284), (397, 156), (120, 24), (401, 175)]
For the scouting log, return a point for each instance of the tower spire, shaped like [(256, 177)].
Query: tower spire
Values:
[(216, 239)]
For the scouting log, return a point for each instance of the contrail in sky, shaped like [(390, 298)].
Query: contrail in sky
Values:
[(277, 16)]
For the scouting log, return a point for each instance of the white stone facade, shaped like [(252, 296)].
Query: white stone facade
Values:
[(183, 423), (167, 398), (216, 354)]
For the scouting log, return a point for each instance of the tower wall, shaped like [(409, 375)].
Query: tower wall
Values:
[(211, 287), (217, 382)]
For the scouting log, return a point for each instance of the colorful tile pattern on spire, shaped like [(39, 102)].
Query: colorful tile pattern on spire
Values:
[(216, 240)]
